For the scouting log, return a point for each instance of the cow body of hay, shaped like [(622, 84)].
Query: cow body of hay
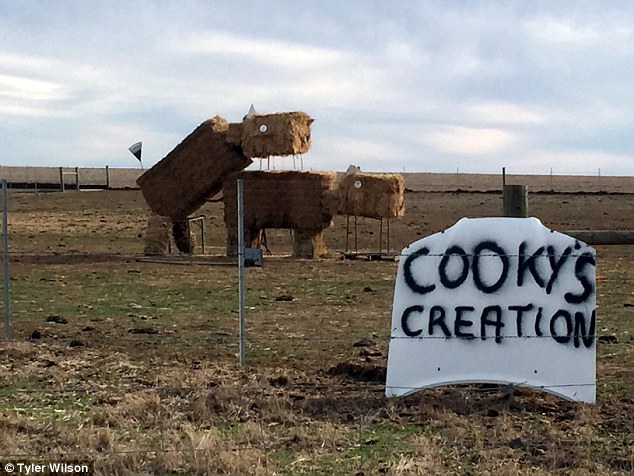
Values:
[(371, 195), (284, 133), (179, 184), (288, 200)]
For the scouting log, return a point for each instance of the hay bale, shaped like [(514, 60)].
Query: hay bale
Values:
[(250, 239), (308, 244), (183, 238), (179, 184), (280, 199), (371, 195), (283, 133), (330, 202), (157, 235), (234, 133)]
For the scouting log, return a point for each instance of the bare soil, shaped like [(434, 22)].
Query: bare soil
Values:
[(133, 365)]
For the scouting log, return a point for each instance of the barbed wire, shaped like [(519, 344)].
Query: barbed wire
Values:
[(370, 385), (501, 337), (185, 258), (160, 338), (157, 340)]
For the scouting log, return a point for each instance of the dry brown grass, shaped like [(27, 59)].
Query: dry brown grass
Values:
[(177, 402)]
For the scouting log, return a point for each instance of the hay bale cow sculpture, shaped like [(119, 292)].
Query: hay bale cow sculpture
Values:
[(195, 170), (215, 154)]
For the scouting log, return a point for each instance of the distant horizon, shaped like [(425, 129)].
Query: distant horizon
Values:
[(458, 172)]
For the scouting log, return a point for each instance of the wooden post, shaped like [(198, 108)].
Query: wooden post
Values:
[(515, 201), (503, 176), (107, 178), (77, 178), (61, 179)]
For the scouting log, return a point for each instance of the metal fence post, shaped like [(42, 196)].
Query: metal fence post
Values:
[(241, 266), (5, 258)]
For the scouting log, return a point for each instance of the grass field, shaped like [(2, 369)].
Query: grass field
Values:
[(133, 365)]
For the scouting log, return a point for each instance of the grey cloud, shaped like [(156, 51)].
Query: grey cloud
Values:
[(428, 86)]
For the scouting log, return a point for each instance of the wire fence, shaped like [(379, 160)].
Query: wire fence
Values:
[(68, 178), (39, 178), (547, 182), (151, 422)]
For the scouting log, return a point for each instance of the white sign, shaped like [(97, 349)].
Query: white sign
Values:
[(499, 300)]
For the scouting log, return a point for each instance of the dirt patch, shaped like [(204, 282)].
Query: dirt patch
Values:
[(359, 373)]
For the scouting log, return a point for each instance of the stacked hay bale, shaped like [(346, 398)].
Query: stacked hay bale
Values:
[(308, 244), (286, 199), (284, 133), (183, 238), (179, 184), (371, 195), (234, 133), (157, 235), (196, 169)]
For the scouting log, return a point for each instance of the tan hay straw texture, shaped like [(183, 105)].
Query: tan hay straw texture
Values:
[(287, 133), (379, 195), (280, 199), (179, 184), (234, 133), (308, 244), (183, 238), (284, 199), (157, 235)]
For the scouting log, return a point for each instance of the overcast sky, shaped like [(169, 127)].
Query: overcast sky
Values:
[(427, 86)]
